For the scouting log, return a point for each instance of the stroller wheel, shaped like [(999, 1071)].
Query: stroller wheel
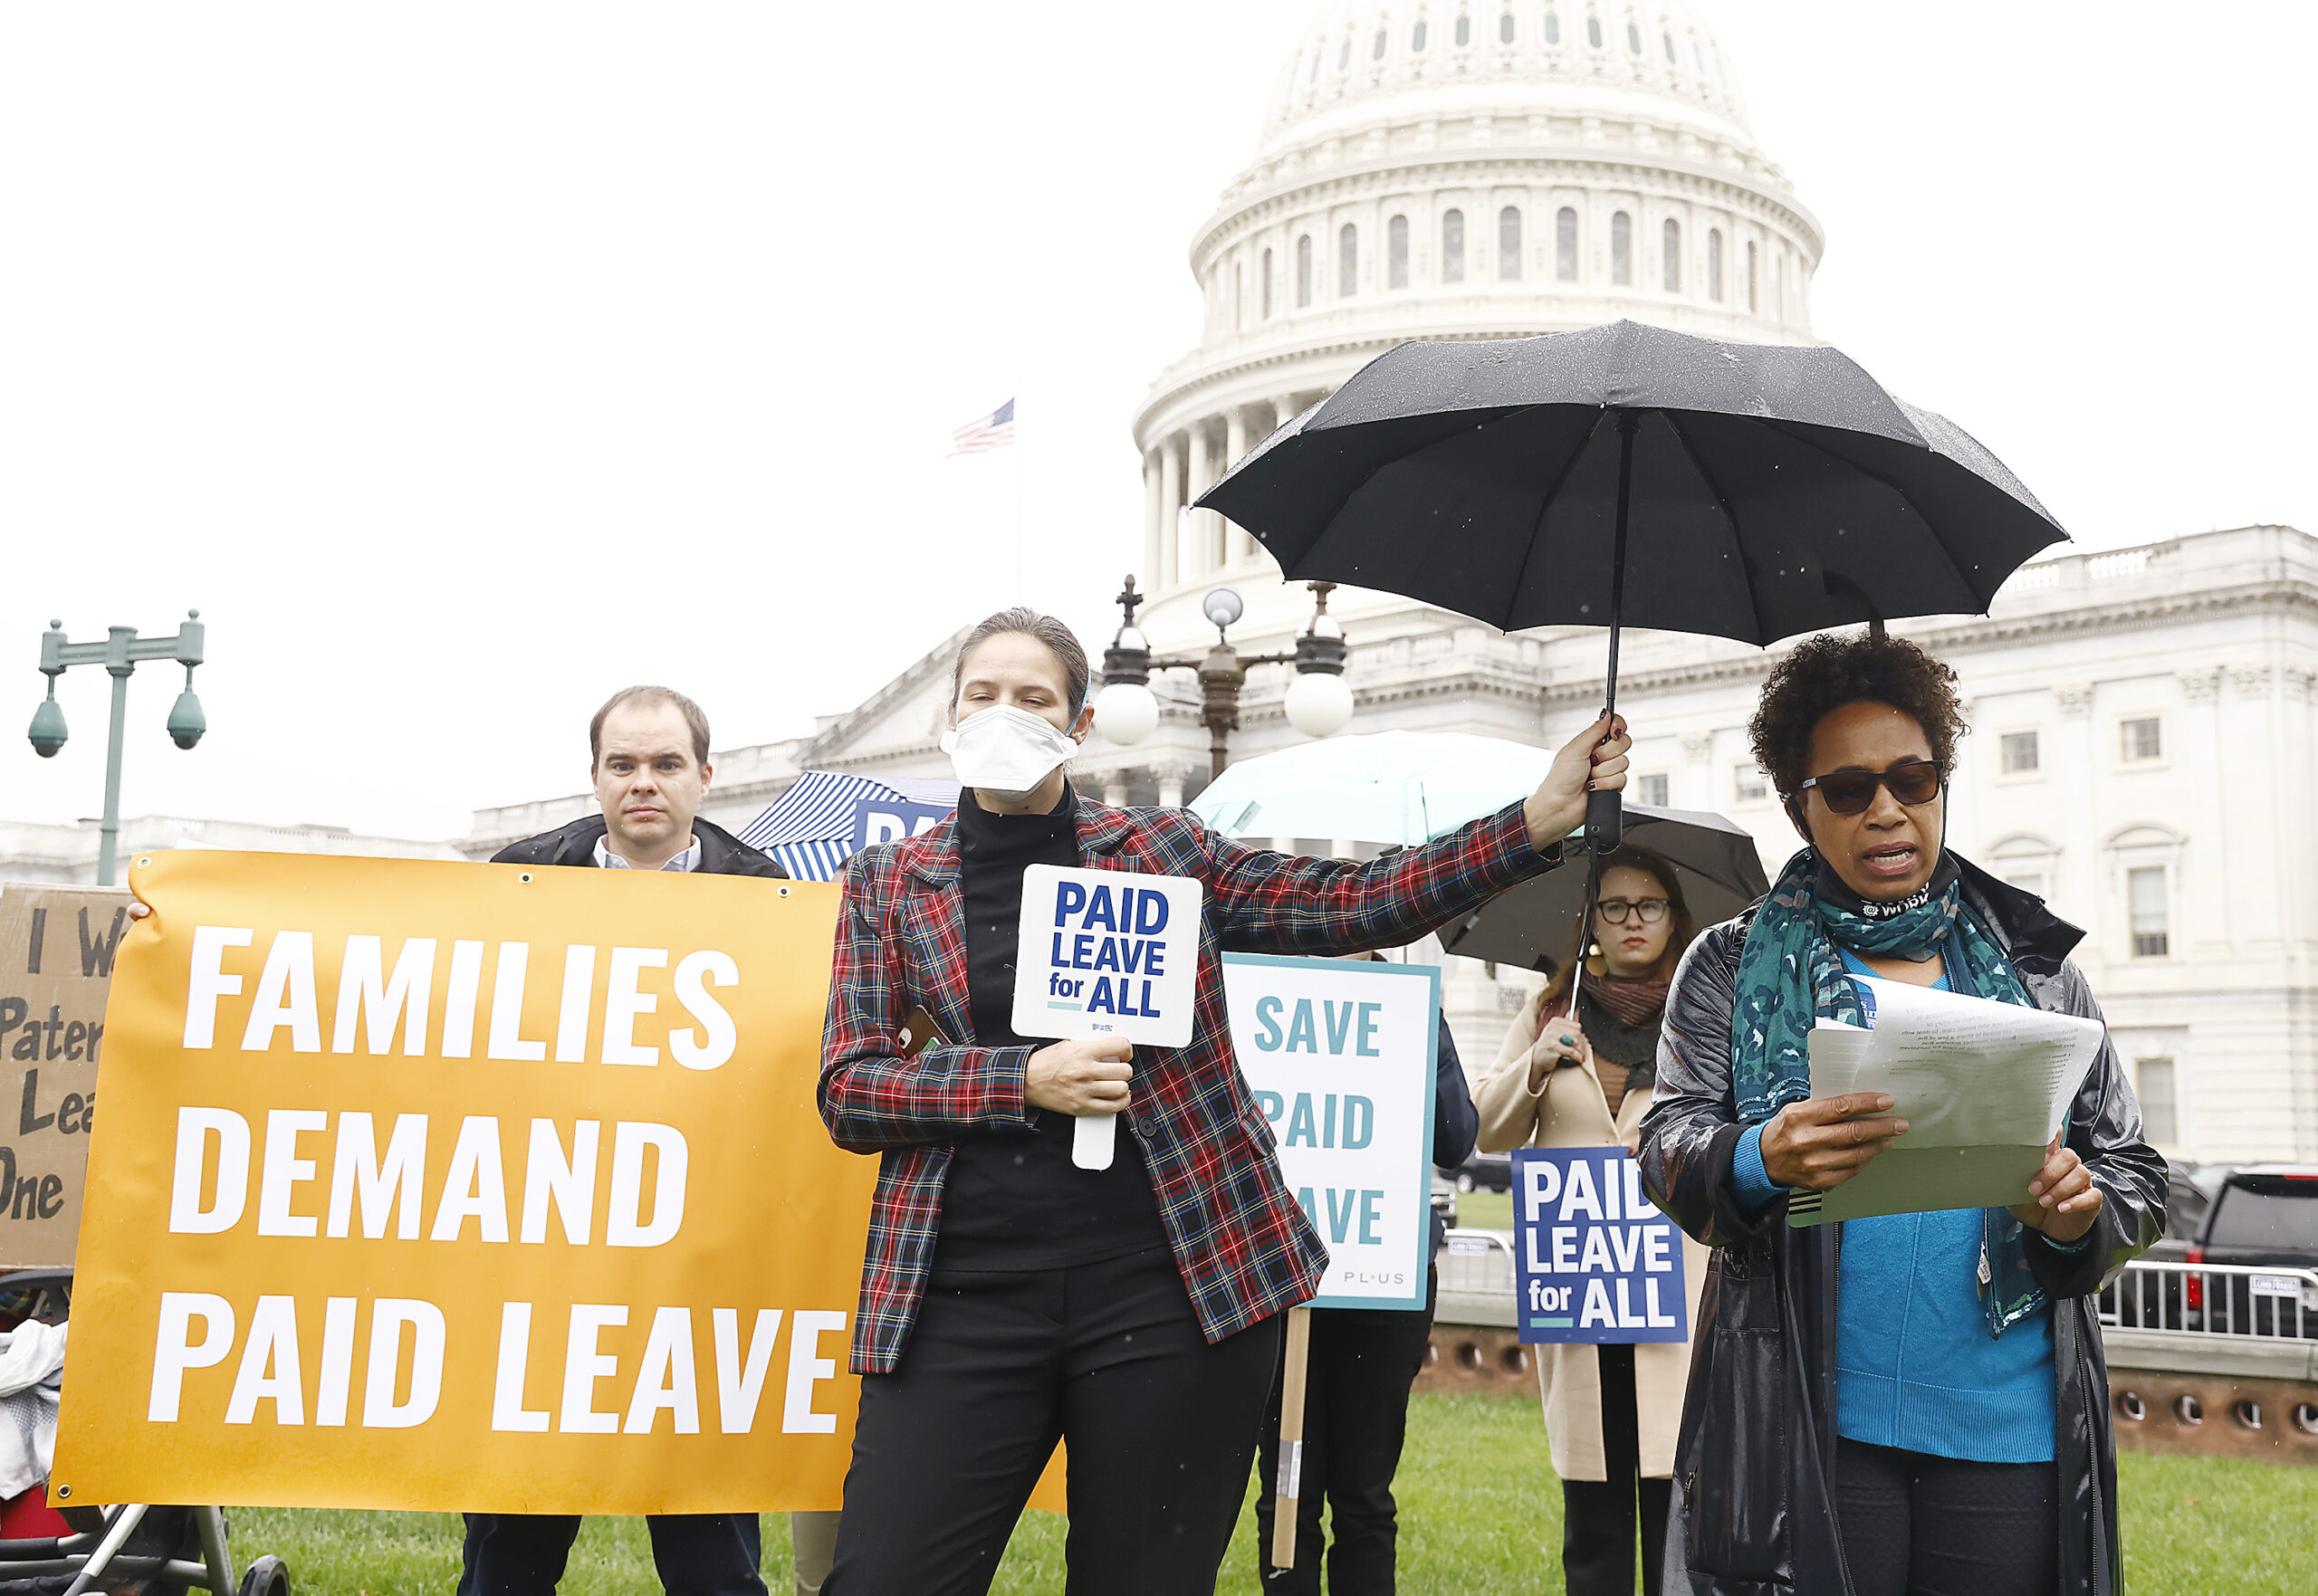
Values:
[(268, 1576)]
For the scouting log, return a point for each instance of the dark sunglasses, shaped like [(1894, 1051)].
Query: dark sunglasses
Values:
[(1848, 792)]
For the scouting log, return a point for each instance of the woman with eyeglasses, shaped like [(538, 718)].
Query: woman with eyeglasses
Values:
[(1919, 1402), (1576, 1070)]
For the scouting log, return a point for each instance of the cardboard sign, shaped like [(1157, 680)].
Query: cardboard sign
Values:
[(57, 945), (1597, 1261), (1341, 1055), (1108, 952), (440, 1186), (880, 820)]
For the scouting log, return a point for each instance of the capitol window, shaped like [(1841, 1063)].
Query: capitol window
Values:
[(2020, 753), (1566, 245), (1553, 28), (2145, 902), (1749, 785), (1377, 53), (1505, 28), (1750, 277), (2141, 741), (1314, 75), (1671, 249), (1651, 790), (1594, 31), (1671, 59), (2161, 1114), (1344, 56), (1397, 244), (1464, 31), (1347, 261), (1508, 244), (1416, 40), (1714, 264), (1621, 249), (1267, 289), (1453, 246), (1304, 271), (1633, 37)]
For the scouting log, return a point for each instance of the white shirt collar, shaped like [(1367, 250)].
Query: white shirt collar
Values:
[(607, 860)]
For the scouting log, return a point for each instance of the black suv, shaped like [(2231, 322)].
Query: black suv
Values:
[(2264, 1214)]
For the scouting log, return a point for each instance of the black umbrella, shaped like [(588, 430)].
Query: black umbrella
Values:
[(1533, 926), (1756, 491)]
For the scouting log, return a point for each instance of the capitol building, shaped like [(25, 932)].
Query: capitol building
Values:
[(2143, 724), (2144, 729)]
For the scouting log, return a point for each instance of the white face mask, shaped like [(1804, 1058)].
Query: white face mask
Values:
[(1005, 752)]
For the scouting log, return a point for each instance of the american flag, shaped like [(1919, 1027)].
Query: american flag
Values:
[(984, 433)]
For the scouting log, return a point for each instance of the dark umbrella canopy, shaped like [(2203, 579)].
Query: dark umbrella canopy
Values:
[(1533, 926), (1775, 490)]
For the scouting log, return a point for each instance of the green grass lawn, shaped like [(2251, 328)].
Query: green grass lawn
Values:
[(1485, 1210), (1479, 1512)]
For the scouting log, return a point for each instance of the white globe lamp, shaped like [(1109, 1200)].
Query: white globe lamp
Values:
[(1125, 713), (1318, 704)]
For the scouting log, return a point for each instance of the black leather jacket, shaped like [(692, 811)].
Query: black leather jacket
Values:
[(1753, 1514)]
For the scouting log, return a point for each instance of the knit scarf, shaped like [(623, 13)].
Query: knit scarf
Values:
[(1790, 977), (1633, 1002)]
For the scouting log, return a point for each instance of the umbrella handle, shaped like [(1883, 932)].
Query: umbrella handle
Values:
[(1604, 820)]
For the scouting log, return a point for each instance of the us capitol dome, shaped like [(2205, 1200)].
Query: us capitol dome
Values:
[(1454, 169)]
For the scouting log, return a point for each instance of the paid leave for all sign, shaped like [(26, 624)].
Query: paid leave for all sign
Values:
[(1596, 1261), (516, 1173)]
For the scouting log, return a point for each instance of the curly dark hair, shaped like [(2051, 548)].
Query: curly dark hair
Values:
[(1829, 671)]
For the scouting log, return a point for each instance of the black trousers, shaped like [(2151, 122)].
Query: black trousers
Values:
[(1356, 1417), (1599, 1515), (697, 1554), (1161, 1426), (1914, 1525)]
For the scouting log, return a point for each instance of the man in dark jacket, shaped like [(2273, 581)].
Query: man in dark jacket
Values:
[(647, 755)]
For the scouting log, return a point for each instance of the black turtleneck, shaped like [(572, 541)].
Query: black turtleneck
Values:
[(1013, 1199)]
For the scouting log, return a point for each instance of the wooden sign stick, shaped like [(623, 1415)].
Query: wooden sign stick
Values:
[(1291, 1438)]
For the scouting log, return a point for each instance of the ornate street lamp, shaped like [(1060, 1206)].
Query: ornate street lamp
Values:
[(1318, 704), (118, 654)]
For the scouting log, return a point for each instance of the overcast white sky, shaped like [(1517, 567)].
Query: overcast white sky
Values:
[(464, 362)]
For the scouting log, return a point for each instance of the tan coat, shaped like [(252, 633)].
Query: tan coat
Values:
[(1572, 1112)]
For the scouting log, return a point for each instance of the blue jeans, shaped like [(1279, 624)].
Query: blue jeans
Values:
[(697, 1554)]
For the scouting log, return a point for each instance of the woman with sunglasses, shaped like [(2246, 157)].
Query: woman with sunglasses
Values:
[(1912, 1403), (1576, 1071)]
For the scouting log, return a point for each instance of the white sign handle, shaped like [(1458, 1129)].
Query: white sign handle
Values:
[(1095, 1141)]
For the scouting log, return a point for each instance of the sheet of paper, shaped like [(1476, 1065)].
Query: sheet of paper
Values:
[(1984, 1087)]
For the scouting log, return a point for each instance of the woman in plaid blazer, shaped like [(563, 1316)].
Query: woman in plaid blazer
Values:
[(1009, 1298)]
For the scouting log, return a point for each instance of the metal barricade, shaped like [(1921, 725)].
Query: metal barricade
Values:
[(2250, 1300), (1478, 1263)]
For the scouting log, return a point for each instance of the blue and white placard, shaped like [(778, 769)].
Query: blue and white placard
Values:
[(1340, 1055), (1596, 1261), (1107, 953), (883, 820)]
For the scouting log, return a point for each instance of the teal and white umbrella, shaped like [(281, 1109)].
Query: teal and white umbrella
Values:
[(1386, 787)]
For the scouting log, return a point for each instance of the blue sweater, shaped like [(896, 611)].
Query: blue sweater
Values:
[(1915, 1367)]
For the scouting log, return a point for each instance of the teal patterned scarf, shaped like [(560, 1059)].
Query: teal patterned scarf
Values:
[(1790, 977)]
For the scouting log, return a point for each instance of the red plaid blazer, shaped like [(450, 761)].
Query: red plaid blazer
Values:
[(1245, 1248)]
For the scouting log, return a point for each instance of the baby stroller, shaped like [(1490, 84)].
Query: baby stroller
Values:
[(127, 1550)]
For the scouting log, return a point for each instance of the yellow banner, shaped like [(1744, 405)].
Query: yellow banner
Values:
[(468, 1187)]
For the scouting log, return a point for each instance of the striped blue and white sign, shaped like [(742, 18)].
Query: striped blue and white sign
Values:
[(815, 826)]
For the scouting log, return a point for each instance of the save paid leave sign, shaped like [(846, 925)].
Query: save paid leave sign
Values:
[(444, 1185)]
